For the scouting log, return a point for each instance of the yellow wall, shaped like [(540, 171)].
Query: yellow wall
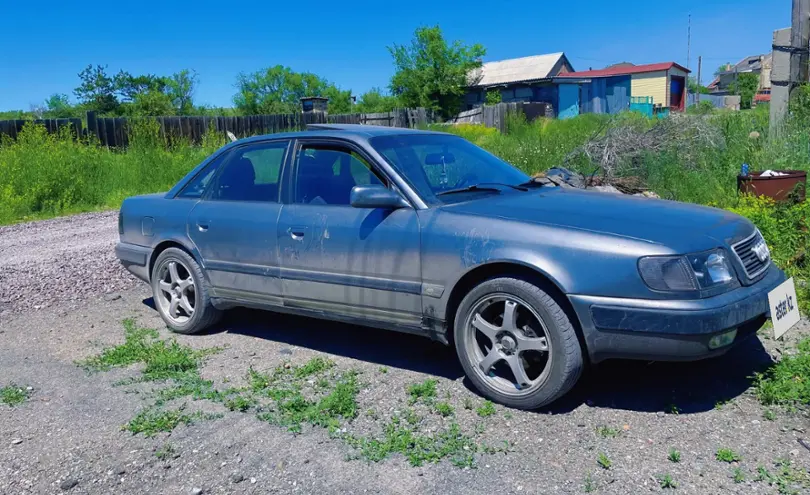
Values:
[(651, 84)]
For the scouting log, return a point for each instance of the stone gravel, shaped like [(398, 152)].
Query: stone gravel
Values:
[(67, 437), (59, 262)]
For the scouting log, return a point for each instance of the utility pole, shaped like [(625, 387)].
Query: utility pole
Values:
[(689, 41), (700, 64), (790, 59)]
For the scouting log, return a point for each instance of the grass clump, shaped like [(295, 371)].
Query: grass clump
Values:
[(727, 455), (604, 461), (425, 391), (665, 481), (291, 408), (150, 422), (164, 359), (674, 455), (444, 409), (416, 447), (589, 485), (787, 382), (787, 478), (608, 432), (486, 409), (13, 395), (738, 475), (165, 452)]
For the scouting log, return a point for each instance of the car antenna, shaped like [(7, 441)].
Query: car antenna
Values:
[(231, 136)]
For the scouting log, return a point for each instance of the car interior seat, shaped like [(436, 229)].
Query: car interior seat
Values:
[(237, 181)]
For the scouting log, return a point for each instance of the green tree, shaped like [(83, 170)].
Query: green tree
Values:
[(151, 103), (340, 101), (375, 101), (745, 85), (494, 97), (723, 68), (695, 87), (180, 88), (431, 73), (279, 89), (58, 107), (97, 90), (128, 87)]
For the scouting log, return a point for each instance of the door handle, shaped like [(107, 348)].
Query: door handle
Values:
[(297, 233), (202, 227)]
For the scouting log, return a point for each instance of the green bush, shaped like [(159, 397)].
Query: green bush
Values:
[(786, 229)]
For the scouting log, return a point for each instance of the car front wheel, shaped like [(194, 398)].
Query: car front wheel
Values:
[(180, 293), (516, 344)]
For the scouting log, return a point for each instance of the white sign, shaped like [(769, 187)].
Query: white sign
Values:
[(784, 307)]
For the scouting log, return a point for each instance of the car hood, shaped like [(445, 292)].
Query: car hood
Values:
[(681, 226)]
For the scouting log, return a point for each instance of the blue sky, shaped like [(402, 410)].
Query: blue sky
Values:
[(46, 43)]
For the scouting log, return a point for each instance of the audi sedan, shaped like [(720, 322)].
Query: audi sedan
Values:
[(423, 232)]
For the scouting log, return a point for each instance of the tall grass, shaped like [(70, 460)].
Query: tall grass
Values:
[(45, 174)]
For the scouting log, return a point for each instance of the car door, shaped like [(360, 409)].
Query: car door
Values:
[(338, 259), (234, 225)]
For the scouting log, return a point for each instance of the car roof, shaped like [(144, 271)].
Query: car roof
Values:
[(352, 132)]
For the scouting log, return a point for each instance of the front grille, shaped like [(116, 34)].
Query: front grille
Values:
[(748, 258)]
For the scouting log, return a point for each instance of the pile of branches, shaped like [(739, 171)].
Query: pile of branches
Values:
[(621, 144)]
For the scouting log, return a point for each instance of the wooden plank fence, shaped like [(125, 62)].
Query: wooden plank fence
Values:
[(495, 115), (114, 132)]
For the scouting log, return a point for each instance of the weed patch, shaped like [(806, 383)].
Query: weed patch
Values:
[(486, 410), (13, 395), (674, 455), (608, 432), (425, 391), (150, 422), (787, 382), (727, 455), (604, 461)]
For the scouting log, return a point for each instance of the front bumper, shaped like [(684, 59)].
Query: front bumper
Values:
[(134, 258), (672, 330)]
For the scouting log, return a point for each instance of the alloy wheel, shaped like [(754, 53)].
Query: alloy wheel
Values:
[(508, 344)]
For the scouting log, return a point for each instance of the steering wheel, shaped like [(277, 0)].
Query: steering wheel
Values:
[(466, 179)]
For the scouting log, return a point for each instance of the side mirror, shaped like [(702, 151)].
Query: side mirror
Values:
[(376, 196)]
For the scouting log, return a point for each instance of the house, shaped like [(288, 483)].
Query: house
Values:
[(757, 64), (518, 79), (660, 87)]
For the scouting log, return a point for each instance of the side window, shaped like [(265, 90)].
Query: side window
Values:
[(251, 173), (326, 174), (196, 187)]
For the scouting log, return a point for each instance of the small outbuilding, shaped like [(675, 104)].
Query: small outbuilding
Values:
[(650, 88)]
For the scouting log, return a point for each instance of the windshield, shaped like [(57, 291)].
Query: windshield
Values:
[(436, 163)]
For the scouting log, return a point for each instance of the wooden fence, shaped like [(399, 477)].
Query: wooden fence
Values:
[(495, 115), (114, 131)]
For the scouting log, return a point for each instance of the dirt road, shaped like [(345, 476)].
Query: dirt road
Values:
[(67, 435)]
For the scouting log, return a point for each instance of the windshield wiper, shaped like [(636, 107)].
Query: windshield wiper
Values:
[(482, 186), (532, 183)]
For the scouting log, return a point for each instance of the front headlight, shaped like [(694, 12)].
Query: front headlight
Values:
[(692, 272), (711, 268)]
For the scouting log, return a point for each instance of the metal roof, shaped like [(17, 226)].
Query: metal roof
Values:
[(534, 68), (623, 71)]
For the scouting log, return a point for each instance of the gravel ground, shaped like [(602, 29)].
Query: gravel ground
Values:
[(67, 436), (59, 261)]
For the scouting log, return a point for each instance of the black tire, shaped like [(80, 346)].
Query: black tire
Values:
[(566, 358), (205, 314)]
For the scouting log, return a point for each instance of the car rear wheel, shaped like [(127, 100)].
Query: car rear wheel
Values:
[(180, 293), (516, 344)]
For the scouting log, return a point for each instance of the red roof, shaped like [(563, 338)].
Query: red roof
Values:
[(623, 71)]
